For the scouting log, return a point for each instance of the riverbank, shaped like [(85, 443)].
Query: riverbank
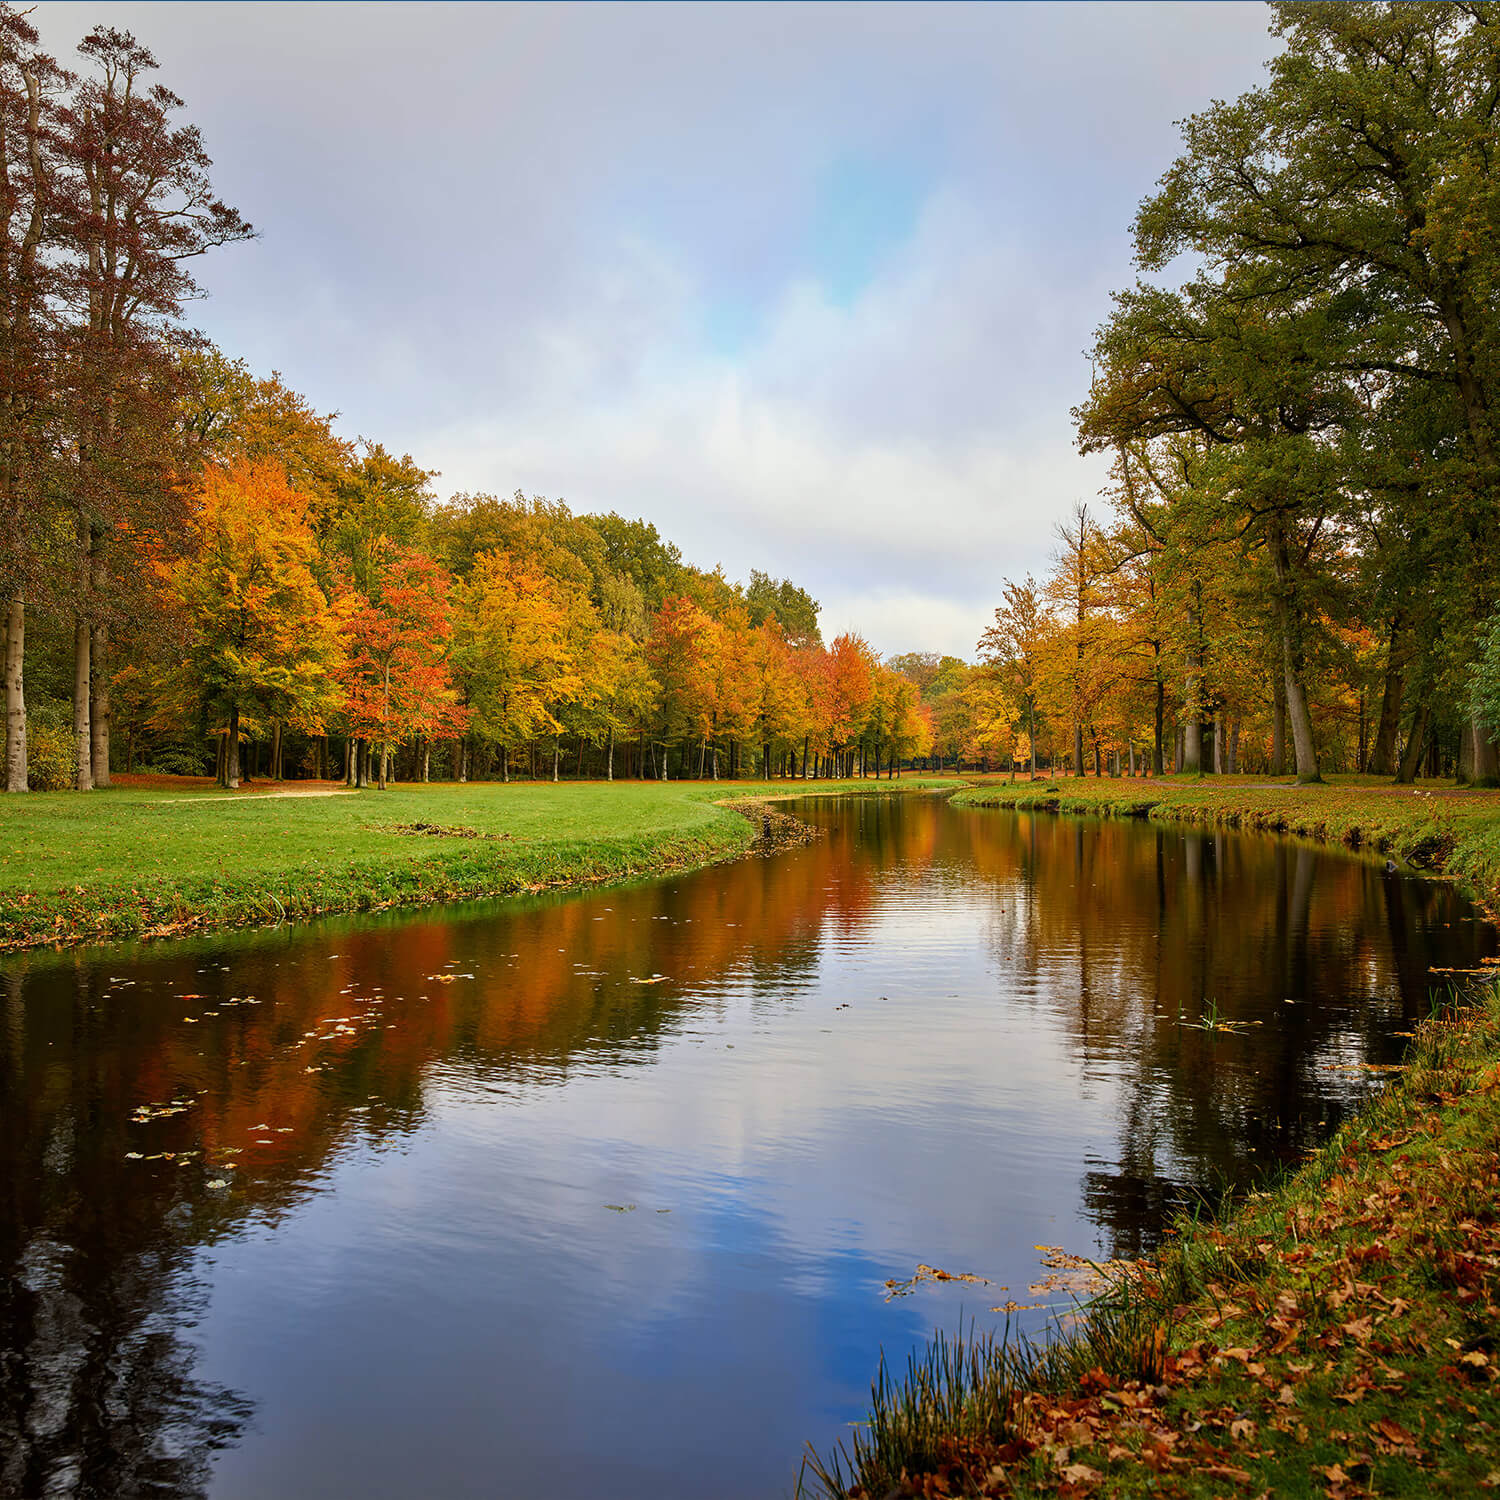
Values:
[(164, 859), (1338, 1336), (1454, 832)]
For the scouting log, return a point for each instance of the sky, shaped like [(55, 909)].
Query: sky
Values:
[(810, 287)]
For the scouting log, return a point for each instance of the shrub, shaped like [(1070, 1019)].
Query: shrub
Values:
[(49, 746), (179, 760)]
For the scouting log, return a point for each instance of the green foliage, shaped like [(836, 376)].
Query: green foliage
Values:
[(1484, 678), (49, 746), (794, 609)]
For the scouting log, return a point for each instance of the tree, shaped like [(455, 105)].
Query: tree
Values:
[(1014, 647), (138, 207), (30, 279), (512, 649), (684, 655), (396, 671), (263, 642)]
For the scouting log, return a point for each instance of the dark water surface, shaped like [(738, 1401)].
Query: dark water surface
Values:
[(598, 1196)]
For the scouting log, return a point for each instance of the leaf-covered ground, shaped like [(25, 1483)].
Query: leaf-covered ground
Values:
[(1337, 1337)]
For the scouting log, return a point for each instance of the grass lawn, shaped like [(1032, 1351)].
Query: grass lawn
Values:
[(158, 859), (1451, 830)]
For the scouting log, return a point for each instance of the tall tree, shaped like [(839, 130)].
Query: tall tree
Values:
[(30, 167), (139, 209)]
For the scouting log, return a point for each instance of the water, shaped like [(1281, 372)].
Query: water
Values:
[(600, 1195)]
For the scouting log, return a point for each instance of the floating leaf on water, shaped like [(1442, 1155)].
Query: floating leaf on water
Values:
[(218, 1182), (896, 1288), (132, 1156), (621, 1208)]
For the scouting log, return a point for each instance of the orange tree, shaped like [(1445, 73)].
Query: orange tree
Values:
[(262, 640)]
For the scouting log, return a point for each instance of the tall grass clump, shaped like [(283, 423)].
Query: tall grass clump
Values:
[(962, 1386)]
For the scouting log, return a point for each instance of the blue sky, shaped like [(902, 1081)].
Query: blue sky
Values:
[(807, 286)]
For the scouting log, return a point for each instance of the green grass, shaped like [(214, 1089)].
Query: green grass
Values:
[(1338, 1335), (1435, 826), (131, 862)]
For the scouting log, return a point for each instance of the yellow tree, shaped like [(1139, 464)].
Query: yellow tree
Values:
[(512, 650)]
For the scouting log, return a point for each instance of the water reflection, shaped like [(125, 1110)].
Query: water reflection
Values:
[(603, 1191)]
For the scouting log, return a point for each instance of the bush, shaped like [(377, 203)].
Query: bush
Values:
[(49, 746), (181, 761)]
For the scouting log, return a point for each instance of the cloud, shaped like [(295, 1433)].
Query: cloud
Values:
[(808, 286)]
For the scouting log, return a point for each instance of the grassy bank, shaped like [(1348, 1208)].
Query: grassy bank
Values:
[(1434, 826), (140, 861), (1335, 1337)]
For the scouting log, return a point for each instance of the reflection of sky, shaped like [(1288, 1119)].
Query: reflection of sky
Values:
[(827, 1151)]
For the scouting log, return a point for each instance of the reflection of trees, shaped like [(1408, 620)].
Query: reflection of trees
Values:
[(1155, 925), (98, 1395), (97, 1388)]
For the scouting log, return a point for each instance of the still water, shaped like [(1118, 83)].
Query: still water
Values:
[(599, 1195)]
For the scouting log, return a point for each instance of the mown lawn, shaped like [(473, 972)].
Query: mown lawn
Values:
[(136, 860)]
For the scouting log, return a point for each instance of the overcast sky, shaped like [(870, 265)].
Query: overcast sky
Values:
[(809, 287)]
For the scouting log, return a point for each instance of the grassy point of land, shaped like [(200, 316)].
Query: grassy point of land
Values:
[(160, 856), (1453, 831), (1336, 1337)]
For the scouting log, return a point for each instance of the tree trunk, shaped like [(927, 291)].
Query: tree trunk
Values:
[(382, 766), (15, 698), (1031, 747), (609, 764), (1483, 755), (1158, 749), (1383, 753), (232, 750), (221, 759), (83, 750), (1303, 745), (99, 704), (1192, 744), (276, 751), (1232, 758), (1411, 760), (1278, 724), (426, 761), (461, 758), (556, 752)]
